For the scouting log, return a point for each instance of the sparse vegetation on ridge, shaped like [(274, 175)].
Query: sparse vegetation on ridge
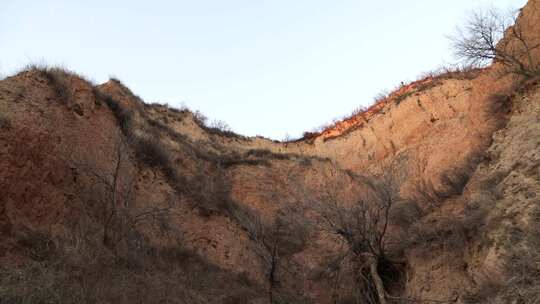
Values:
[(361, 115), (58, 78), (155, 206)]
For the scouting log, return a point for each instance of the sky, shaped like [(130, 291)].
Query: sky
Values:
[(273, 68)]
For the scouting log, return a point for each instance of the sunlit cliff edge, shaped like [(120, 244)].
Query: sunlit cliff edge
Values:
[(107, 199)]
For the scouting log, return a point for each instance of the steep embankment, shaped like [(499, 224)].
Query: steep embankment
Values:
[(106, 199)]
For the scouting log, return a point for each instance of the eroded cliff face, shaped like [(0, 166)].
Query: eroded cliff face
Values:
[(107, 199)]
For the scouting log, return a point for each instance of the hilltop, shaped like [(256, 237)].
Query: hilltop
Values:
[(107, 199)]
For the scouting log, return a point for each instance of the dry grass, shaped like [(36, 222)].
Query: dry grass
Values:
[(449, 232), (207, 189), (521, 265), (173, 275), (405, 213), (60, 79), (267, 154), (121, 113)]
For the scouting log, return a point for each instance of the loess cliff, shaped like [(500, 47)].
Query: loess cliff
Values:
[(107, 199)]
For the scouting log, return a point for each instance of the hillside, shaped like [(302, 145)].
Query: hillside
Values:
[(107, 199)]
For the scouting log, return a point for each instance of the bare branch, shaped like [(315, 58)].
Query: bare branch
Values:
[(491, 36)]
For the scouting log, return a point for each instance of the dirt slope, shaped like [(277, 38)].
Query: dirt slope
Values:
[(106, 199)]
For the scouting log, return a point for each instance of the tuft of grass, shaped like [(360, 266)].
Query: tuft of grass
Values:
[(59, 79), (123, 116)]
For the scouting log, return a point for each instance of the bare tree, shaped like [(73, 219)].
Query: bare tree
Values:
[(119, 218), (492, 36), (276, 242), (363, 223)]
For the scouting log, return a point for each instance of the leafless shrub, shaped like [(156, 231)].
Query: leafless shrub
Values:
[(216, 127), (119, 218), (277, 241), (152, 152), (200, 118), (363, 226), (221, 129), (490, 35), (211, 195), (204, 190), (381, 96), (220, 125), (359, 110)]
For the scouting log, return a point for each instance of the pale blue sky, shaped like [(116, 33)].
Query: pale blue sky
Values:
[(263, 67)]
